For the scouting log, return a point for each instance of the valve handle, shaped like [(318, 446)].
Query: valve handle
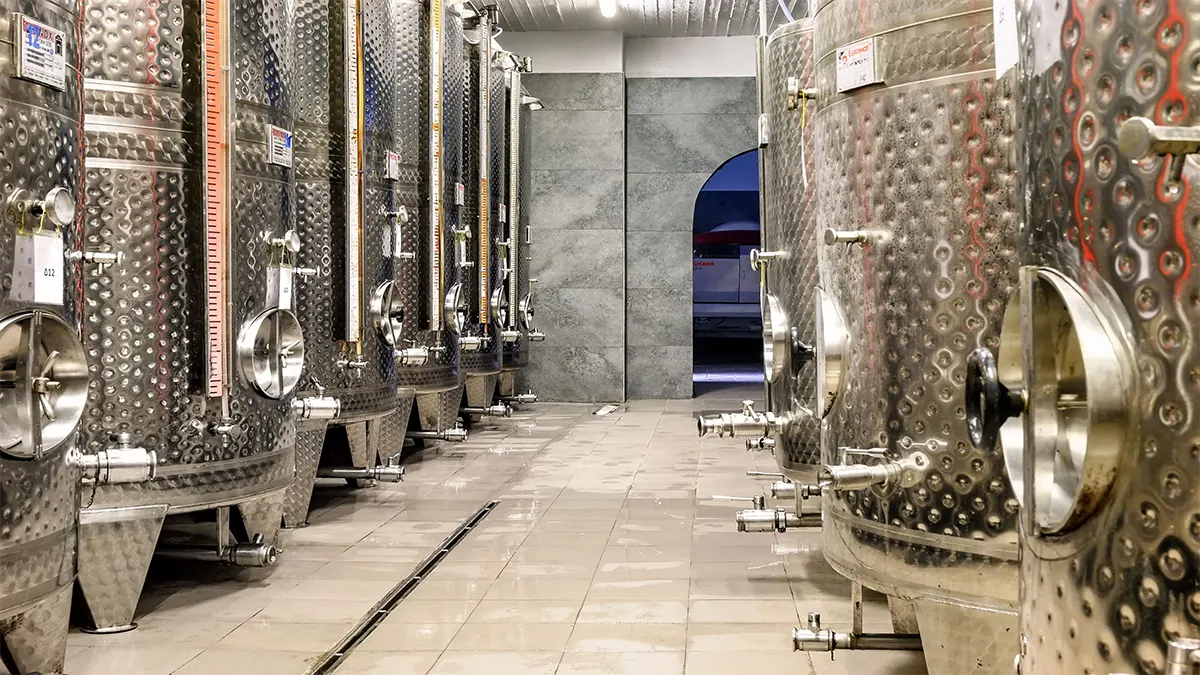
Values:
[(989, 403)]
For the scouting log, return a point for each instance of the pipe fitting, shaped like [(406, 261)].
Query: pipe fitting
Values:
[(453, 435), (119, 463), (906, 473), (746, 423), (763, 443), (498, 410), (391, 472), (817, 639), (528, 397), (1183, 656), (778, 520), (412, 356), (319, 407), (257, 553), (510, 337), (472, 343), (536, 336)]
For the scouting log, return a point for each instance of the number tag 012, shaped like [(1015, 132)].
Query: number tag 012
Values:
[(279, 287), (38, 268)]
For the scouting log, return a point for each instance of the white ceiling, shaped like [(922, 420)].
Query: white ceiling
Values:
[(646, 18)]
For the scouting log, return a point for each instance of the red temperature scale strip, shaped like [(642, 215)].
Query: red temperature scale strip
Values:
[(485, 145), (216, 150), (436, 218), (354, 105)]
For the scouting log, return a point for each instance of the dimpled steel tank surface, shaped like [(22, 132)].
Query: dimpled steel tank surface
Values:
[(193, 353), (790, 278), (40, 148), (1100, 356), (917, 207)]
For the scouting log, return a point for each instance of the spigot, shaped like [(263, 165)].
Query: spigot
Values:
[(782, 489), (122, 462), (472, 343), (101, 259), (510, 336), (1183, 656), (814, 638), (498, 410), (257, 553), (906, 472), (748, 422), (762, 443), (1139, 138), (535, 335), (528, 397), (454, 434), (306, 272), (226, 427), (757, 501), (355, 365), (412, 356), (319, 407), (759, 259), (777, 520), (833, 236), (796, 94)]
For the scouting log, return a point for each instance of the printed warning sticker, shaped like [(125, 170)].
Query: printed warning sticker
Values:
[(279, 146), (41, 54), (856, 65)]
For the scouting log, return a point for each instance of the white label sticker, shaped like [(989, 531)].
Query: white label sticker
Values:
[(460, 194), (504, 213), (1004, 25), (41, 54), (279, 286), (38, 268), (279, 146), (393, 166), (856, 65)]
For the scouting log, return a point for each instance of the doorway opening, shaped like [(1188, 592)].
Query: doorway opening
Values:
[(727, 321)]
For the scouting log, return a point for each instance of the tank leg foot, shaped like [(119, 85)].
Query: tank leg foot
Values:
[(115, 548), (299, 493), (35, 641), (263, 516), (904, 614), (964, 640), (363, 438)]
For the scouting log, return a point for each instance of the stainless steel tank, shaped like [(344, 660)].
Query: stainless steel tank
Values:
[(194, 352), (1099, 356), (351, 179), (429, 132), (916, 201), (484, 154), (42, 363), (516, 304)]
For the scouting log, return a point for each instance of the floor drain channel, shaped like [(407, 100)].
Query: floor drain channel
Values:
[(371, 621)]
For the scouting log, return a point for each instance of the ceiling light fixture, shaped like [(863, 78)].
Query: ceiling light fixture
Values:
[(608, 8)]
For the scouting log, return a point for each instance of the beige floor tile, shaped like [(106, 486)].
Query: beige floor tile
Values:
[(629, 571), (308, 552), (551, 524), (518, 637), (876, 663), (621, 663), (628, 637), (364, 662), (433, 611), (567, 554), (134, 660), (526, 611), (384, 554), (363, 571), (520, 570), (617, 611), (496, 663), (742, 611), (640, 589), (539, 588), (468, 570), (450, 589), (155, 631), (394, 636), (315, 611), (499, 553), (727, 662), (343, 588), (727, 637), (257, 661), (645, 553), (543, 538), (281, 636), (735, 589)]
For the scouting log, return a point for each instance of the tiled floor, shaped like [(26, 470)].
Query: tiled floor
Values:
[(605, 555)]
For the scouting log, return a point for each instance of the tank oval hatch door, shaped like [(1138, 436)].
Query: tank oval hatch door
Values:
[(832, 349), (498, 304), (1065, 390), (775, 337), (387, 313), (43, 383), (525, 308), (270, 353), (454, 311)]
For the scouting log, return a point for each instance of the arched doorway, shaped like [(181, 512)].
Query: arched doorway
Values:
[(727, 323)]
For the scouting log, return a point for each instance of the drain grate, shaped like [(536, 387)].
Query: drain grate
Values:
[(367, 625)]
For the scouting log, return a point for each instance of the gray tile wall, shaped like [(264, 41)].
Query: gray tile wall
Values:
[(577, 213), (678, 132)]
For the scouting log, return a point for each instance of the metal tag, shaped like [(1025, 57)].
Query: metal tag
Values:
[(40, 52), (38, 268), (460, 194), (1004, 27), (856, 65), (393, 165), (504, 213), (279, 287), (279, 146)]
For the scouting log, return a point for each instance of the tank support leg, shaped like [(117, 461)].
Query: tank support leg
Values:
[(35, 641), (309, 442), (115, 548), (262, 516), (817, 639)]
